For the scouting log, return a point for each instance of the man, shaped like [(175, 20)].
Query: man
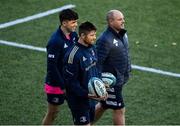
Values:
[(61, 40), (113, 57), (79, 67)]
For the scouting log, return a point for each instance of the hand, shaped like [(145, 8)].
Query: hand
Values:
[(106, 85), (103, 98), (92, 96)]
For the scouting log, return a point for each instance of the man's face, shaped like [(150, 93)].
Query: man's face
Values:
[(90, 38), (70, 25), (118, 21)]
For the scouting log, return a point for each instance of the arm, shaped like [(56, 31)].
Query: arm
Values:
[(129, 59), (102, 48), (53, 53)]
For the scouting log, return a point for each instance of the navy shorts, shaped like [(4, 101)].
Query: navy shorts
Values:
[(83, 117), (55, 99), (55, 95), (115, 98)]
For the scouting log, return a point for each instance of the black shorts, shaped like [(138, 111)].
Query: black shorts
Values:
[(55, 99), (83, 117), (115, 98)]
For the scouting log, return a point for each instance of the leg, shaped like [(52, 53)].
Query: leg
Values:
[(99, 110), (119, 116), (116, 103), (51, 114), (54, 101)]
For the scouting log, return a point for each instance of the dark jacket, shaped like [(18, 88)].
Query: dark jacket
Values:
[(113, 54), (79, 67), (56, 49)]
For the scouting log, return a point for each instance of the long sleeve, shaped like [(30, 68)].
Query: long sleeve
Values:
[(71, 74), (53, 55), (102, 48)]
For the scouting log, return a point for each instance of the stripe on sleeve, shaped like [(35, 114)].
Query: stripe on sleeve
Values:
[(72, 54)]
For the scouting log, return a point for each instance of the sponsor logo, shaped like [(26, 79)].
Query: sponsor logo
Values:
[(51, 56), (113, 103), (93, 64), (111, 96)]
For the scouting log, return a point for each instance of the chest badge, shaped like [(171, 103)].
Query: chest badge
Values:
[(84, 58), (115, 42), (65, 45)]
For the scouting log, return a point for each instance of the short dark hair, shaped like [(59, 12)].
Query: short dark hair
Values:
[(67, 14), (86, 27)]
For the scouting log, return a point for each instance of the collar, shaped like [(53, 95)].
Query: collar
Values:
[(63, 35), (120, 34)]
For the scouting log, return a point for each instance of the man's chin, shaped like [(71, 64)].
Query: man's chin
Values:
[(72, 30)]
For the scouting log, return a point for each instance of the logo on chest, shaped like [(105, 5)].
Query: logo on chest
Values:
[(84, 58), (115, 42), (65, 45)]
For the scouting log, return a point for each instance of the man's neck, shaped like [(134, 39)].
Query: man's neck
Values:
[(82, 42), (65, 31), (117, 31)]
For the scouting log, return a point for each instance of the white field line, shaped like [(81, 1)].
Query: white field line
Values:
[(36, 16), (153, 70), (22, 46), (141, 68)]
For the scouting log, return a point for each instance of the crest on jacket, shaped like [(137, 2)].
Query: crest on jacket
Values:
[(115, 42)]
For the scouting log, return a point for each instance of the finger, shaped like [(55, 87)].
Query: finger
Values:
[(107, 85)]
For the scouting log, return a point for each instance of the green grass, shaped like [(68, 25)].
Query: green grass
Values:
[(151, 99)]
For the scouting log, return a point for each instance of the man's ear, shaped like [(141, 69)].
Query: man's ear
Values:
[(64, 23), (83, 35)]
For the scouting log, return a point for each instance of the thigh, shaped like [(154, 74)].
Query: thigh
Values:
[(53, 108), (115, 99)]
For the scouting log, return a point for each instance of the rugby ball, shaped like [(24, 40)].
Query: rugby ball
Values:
[(108, 78), (97, 87)]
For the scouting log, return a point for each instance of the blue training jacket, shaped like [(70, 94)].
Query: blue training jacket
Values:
[(56, 49), (113, 54), (79, 67)]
